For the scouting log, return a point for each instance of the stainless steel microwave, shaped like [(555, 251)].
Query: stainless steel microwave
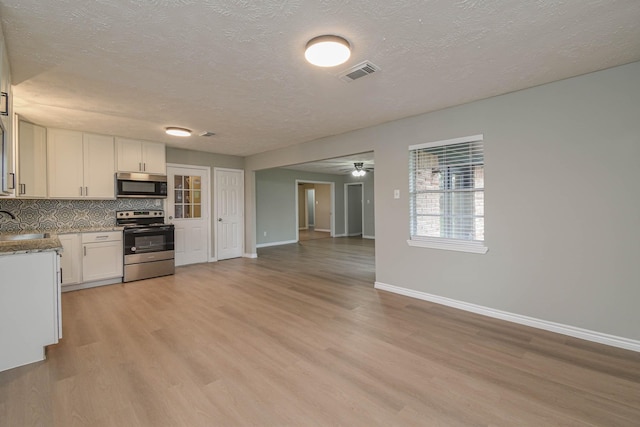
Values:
[(141, 185)]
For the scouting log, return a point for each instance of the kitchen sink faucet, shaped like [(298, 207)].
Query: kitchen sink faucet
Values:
[(9, 213)]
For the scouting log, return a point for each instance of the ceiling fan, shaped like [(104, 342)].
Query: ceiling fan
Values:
[(359, 169)]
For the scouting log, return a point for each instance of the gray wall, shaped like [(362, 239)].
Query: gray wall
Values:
[(562, 203), (276, 205), (200, 158)]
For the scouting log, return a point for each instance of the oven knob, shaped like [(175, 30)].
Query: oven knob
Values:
[(133, 248)]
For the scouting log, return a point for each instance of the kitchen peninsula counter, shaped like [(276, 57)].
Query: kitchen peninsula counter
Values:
[(51, 243)]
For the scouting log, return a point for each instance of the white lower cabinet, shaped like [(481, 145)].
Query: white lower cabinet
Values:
[(101, 256), (30, 316), (91, 259), (70, 261)]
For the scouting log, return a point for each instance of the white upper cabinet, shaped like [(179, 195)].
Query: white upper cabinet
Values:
[(7, 144), (99, 166), (65, 164), (141, 156), (32, 160), (80, 165)]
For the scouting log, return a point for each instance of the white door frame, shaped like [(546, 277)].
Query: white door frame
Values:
[(207, 170), (332, 212), (215, 218), (346, 206)]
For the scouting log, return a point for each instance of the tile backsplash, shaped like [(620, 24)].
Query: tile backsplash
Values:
[(63, 214)]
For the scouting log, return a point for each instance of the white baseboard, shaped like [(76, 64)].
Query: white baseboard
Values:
[(303, 228), (369, 237), (340, 235), (571, 331), (323, 230), (247, 255), (354, 234), (87, 285), (213, 259), (266, 245)]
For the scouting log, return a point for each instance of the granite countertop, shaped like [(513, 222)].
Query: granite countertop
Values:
[(87, 229), (13, 247), (51, 243)]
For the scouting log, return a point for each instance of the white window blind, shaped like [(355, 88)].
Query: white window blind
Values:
[(447, 192)]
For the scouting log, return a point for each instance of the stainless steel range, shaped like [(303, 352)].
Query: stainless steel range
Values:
[(148, 244)]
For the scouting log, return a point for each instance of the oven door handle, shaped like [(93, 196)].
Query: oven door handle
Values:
[(147, 230)]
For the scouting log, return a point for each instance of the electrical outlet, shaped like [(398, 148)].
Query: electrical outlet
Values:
[(265, 234)]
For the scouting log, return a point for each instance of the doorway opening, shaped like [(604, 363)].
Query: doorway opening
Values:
[(354, 209), (310, 208), (315, 215)]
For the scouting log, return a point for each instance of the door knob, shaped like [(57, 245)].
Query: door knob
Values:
[(219, 219)]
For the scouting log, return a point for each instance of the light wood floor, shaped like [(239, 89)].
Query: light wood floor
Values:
[(312, 234), (299, 337)]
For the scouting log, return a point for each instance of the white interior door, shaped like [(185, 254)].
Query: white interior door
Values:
[(229, 196), (188, 210)]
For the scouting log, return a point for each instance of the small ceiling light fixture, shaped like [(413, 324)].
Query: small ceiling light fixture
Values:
[(327, 51), (358, 169), (177, 131)]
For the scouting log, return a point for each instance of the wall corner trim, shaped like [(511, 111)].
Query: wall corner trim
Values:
[(247, 255), (572, 331)]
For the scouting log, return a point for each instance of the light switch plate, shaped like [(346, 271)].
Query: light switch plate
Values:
[(396, 194)]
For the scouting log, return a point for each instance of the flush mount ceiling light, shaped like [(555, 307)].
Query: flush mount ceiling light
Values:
[(327, 51), (177, 131)]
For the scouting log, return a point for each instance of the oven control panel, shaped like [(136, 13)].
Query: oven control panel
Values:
[(140, 214)]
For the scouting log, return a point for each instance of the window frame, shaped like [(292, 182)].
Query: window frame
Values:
[(444, 243)]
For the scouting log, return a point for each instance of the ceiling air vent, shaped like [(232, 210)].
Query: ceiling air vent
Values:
[(361, 70)]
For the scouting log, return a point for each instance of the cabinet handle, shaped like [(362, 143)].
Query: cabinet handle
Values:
[(140, 166), (81, 191), (61, 281), (102, 237), (144, 167), (5, 104), (23, 189), (86, 191), (85, 250), (13, 181)]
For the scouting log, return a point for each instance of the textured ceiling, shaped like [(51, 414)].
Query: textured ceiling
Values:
[(337, 166), (133, 67)]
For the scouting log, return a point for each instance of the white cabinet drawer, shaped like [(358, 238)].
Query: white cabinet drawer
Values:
[(106, 236)]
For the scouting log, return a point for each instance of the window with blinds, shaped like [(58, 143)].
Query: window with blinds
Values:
[(446, 194)]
